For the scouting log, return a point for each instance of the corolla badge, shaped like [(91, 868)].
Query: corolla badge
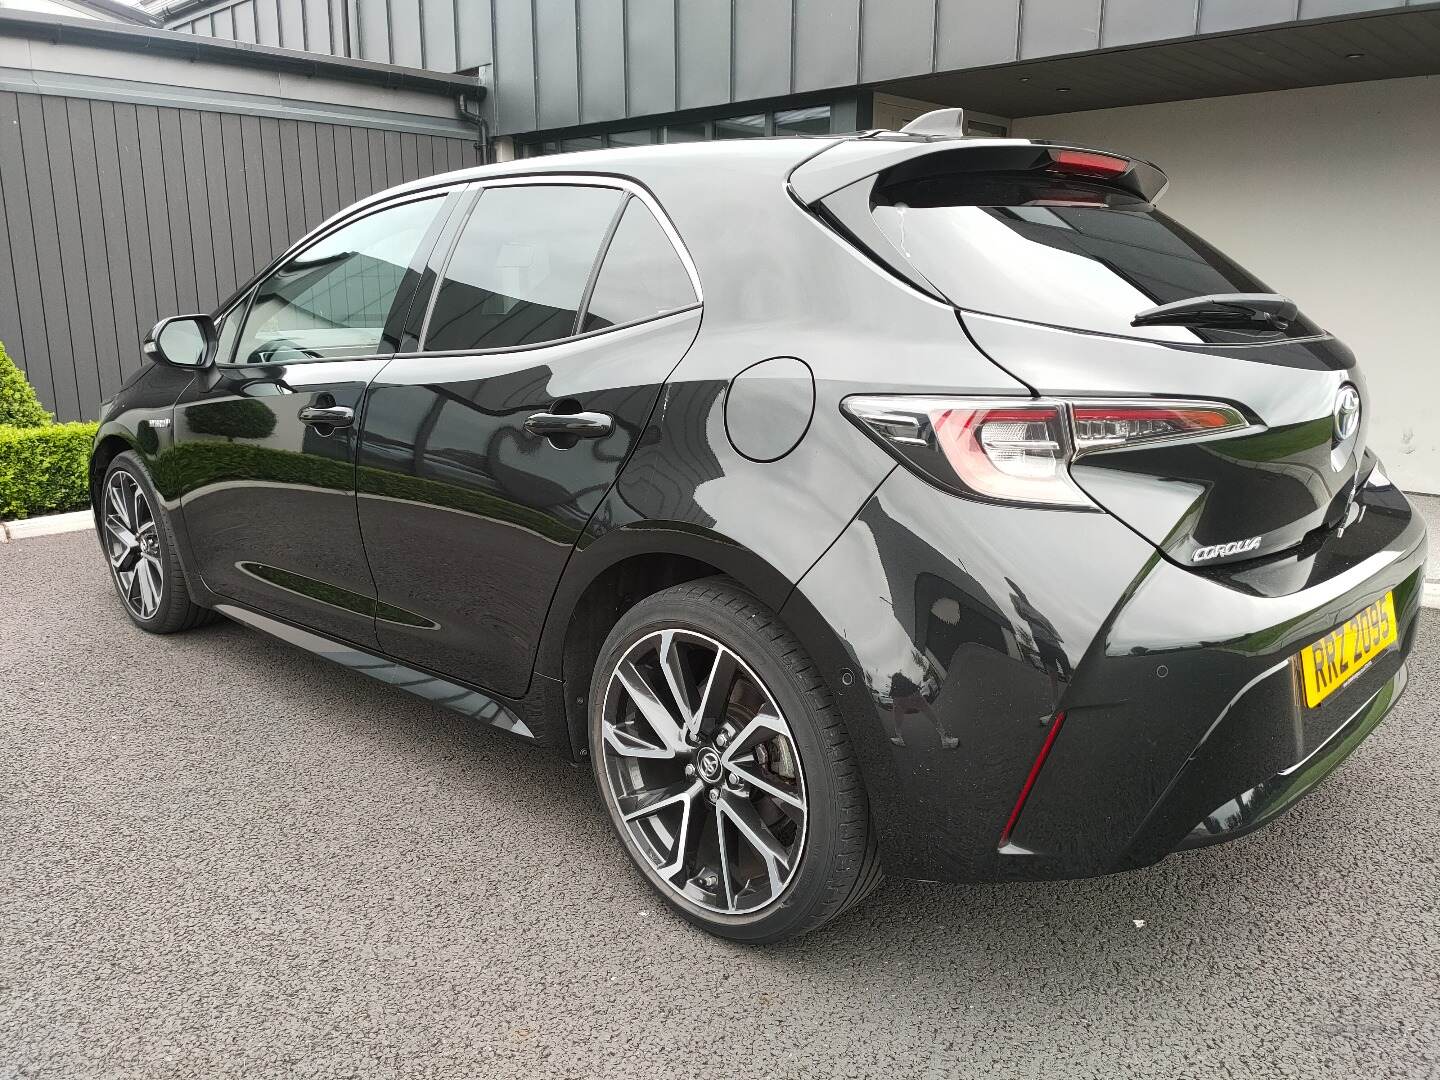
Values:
[(1221, 551), (1347, 412)]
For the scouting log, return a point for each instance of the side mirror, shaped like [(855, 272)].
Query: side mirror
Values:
[(183, 341)]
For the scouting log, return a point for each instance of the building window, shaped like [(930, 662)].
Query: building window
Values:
[(741, 127), (812, 121), (687, 133)]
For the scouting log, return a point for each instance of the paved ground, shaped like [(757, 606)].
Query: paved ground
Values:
[(221, 857)]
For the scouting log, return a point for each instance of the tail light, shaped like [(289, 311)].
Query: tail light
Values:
[(1110, 425), (1009, 451)]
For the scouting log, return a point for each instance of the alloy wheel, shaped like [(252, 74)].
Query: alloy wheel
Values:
[(132, 541), (703, 770)]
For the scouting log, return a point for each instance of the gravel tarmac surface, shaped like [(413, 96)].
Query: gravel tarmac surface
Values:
[(222, 857)]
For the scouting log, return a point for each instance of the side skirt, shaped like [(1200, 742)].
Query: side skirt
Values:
[(462, 699)]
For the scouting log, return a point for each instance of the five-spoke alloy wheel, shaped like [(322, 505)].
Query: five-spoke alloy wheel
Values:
[(704, 771), (132, 540)]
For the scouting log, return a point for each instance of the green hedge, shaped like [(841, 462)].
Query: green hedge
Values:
[(44, 469), (19, 407)]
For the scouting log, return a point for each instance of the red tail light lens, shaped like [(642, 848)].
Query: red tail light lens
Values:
[(1004, 450), (998, 450), (1114, 425)]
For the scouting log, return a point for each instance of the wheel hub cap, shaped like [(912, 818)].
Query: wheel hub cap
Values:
[(707, 764)]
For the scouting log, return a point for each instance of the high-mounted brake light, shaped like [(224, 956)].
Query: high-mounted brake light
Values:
[(1088, 163), (1004, 450)]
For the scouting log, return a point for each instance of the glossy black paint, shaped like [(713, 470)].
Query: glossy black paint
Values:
[(446, 467), (437, 543)]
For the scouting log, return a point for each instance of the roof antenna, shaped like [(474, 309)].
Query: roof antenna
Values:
[(937, 122)]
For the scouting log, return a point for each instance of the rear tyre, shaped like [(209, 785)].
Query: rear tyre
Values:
[(725, 767), (140, 548)]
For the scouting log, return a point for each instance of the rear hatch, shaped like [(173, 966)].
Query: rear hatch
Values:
[(1052, 256)]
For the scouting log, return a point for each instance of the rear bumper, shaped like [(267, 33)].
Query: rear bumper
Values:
[(970, 627)]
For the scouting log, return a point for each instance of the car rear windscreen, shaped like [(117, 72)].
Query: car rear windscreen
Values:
[(1060, 252)]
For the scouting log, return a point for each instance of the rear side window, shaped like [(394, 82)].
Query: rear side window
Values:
[(1061, 252), (520, 266), (642, 275)]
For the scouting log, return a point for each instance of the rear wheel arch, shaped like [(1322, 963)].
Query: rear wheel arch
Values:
[(613, 574)]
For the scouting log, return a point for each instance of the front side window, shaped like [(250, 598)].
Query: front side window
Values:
[(520, 267), (641, 276), (333, 299)]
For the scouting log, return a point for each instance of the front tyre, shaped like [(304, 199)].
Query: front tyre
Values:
[(725, 767), (140, 549)]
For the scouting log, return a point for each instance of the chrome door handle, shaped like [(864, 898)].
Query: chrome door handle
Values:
[(583, 425), (335, 416)]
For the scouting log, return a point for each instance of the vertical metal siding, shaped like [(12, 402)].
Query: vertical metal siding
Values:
[(245, 21), (1220, 15), (474, 45), (406, 48), (703, 45), (1131, 21), (372, 30), (1051, 27), (827, 43), (973, 33), (267, 22), (113, 214), (438, 30), (762, 50), (602, 52), (515, 64), (897, 38), (557, 73), (650, 52)]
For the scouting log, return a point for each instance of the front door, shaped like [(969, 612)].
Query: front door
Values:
[(483, 457), (264, 455)]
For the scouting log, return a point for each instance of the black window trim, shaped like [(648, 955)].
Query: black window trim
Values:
[(628, 188), (418, 261)]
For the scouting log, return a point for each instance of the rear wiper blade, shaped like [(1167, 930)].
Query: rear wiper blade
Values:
[(1224, 311)]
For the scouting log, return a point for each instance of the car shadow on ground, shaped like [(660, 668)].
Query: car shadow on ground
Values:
[(1221, 895)]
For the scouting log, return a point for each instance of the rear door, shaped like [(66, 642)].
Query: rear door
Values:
[(560, 313), (263, 462)]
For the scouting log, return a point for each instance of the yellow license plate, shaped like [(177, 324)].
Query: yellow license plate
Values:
[(1328, 664)]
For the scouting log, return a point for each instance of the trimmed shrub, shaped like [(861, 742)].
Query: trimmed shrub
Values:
[(44, 469), (19, 407)]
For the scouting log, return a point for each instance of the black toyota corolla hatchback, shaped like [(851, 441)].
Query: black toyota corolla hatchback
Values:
[(888, 501)]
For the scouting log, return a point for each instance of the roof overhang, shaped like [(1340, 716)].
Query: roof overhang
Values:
[(144, 39), (1319, 52)]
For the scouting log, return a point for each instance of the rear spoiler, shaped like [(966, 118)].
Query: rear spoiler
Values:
[(853, 160)]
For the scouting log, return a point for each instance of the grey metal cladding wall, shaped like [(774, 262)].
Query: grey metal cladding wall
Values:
[(114, 214), (702, 35), (697, 53), (557, 72), (442, 35), (602, 43)]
